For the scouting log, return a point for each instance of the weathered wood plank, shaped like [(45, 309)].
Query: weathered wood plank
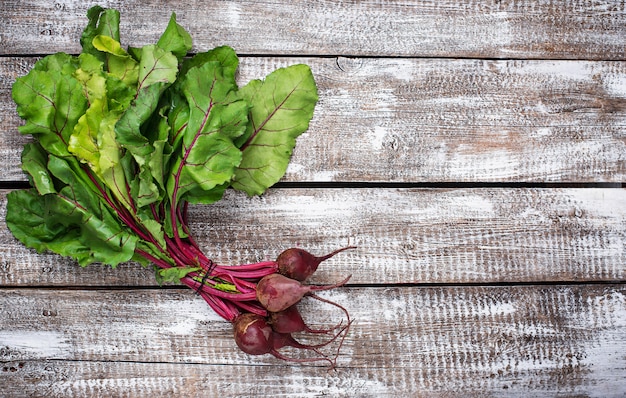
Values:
[(538, 340), (403, 236), (435, 120), (510, 29)]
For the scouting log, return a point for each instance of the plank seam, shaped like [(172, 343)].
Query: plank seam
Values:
[(619, 282), (410, 184), (368, 56)]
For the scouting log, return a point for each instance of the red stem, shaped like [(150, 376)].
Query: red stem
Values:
[(315, 288), (175, 253), (245, 274), (219, 307), (156, 261), (250, 267), (189, 281), (251, 306)]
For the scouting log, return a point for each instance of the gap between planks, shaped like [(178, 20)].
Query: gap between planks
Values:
[(11, 185)]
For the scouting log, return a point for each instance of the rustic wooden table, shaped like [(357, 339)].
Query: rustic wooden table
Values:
[(474, 151)]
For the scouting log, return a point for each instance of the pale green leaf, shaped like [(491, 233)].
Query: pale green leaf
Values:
[(83, 142), (119, 63)]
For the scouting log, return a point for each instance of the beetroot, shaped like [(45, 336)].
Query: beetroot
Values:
[(280, 340), (299, 264), (137, 209), (277, 292), (289, 320), (263, 308), (252, 334)]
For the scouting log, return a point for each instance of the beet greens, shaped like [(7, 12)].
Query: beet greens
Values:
[(124, 140)]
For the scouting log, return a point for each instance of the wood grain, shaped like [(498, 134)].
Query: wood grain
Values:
[(459, 292), (434, 120), (403, 236), (557, 340), (487, 29)]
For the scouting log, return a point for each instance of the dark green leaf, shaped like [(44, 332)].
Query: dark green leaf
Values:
[(157, 71), (35, 163), (26, 219), (77, 184), (175, 39), (282, 107), (224, 55), (174, 274), (50, 101), (142, 129), (216, 116)]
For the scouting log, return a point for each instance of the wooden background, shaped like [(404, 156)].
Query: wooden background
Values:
[(475, 152)]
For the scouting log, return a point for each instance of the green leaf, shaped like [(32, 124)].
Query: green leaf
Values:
[(175, 39), (162, 152), (83, 193), (91, 76), (60, 62), (142, 129), (111, 167), (154, 227), (26, 219), (148, 186), (119, 63), (224, 55), (200, 196), (282, 107), (34, 162), (60, 224), (157, 71), (102, 22), (78, 206), (107, 240), (50, 101), (178, 116), (216, 117), (93, 140), (174, 274), (157, 66), (119, 95), (83, 142)]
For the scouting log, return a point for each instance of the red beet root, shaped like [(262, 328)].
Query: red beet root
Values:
[(253, 335), (299, 264), (290, 321), (277, 292)]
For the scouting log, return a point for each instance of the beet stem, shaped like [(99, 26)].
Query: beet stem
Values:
[(331, 254), (315, 288)]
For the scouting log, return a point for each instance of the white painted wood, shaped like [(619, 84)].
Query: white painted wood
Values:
[(403, 236), (516, 341), (552, 29), (410, 91), (433, 120)]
